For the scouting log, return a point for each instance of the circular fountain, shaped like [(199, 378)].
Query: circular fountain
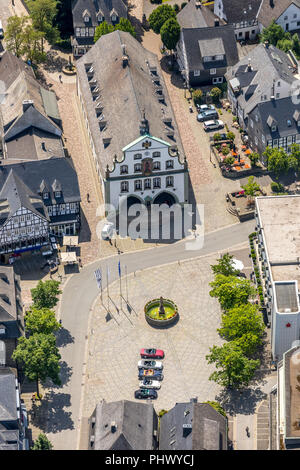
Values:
[(161, 312)]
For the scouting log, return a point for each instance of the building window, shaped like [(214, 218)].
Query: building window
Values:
[(124, 169), (147, 183), (273, 128), (213, 71), (137, 156), (113, 18), (156, 165), (156, 183), (86, 19), (169, 181), (57, 194), (219, 57), (49, 209), (196, 73), (263, 139), (169, 164), (285, 18), (2, 330), (156, 154), (256, 117), (240, 34), (91, 32), (138, 185), (137, 167), (277, 95), (217, 80), (46, 196), (124, 187), (289, 140), (275, 143)]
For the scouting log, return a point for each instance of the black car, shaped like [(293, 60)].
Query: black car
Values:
[(145, 393)]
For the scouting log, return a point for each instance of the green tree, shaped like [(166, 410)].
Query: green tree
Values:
[(224, 266), (216, 405), (45, 294), (296, 45), (294, 157), (230, 136), (39, 358), (41, 321), (170, 33), (197, 96), (252, 188), (159, 16), (278, 161), (14, 36), (231, 291), (43, 13), (103, 28), (234, 369), (285, 44), (254, 158), (228, 160), (32, 44), (273, 34), (243, 323), (125, 25), (215, 93), (42, 443)]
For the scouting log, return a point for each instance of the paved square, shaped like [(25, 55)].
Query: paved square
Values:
[(114, 344)]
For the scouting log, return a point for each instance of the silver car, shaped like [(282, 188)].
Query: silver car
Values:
[(150, 364), (149, 383)]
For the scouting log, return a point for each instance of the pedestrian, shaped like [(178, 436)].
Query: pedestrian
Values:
[(88, 197), (110, 242), (60, 78), (13, 2)]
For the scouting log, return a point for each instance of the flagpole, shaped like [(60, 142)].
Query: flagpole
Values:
[(107, 288), (126, 283), (120, 283)]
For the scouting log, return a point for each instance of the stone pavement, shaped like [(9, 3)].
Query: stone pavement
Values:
[(118, 330)]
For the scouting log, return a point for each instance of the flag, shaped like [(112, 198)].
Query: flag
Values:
[(98, 276), (119, 267)]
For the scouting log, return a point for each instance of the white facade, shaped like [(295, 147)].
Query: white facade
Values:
[(290, 19), (244, 30), (149, 167)]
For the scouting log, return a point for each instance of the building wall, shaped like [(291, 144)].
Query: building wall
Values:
[(290, 19)]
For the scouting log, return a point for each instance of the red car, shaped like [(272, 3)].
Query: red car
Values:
[(152, 353)]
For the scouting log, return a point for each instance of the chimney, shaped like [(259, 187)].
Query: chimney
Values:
[(125, 57), (217, 23), (249, 68), (26, 104), (113, 426)]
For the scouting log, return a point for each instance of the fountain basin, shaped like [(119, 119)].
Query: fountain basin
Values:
[(153, 317)]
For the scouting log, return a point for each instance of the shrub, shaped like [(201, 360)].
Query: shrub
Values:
[(277, 187), (176, 7), (64, 44), (197, 96), (216, 93), (225, 150), (218, 146), (217, 136), (230, 135), (234, 119), (162, 412)]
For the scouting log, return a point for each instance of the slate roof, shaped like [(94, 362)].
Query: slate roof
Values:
[(193, 426), (8, 297), (241, 10), (27, 178), (93, 7), (224, 34), (279, 111), (192, 16), (125, 94), (267, 64), (134, 426), (39, 120), (268, 13), (8, 406)]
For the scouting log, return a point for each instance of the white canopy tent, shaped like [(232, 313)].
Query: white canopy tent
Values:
[(68, 257), (70, 240)]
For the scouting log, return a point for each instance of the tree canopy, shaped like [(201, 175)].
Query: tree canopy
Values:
[(224, 266), (159, 16), (277, 160), (43, 13), (41, 321), (45, 294), (39, 357), (283, 40), (42, 443), (14, 34), (170, 33), (252, 188), (233, 367), (106, 28), (231, 291)]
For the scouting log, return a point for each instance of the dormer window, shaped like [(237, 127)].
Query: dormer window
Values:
[(86, 19), (124, 169), (46, 196), (113, 18), (100, 18), (274, 128), (57, 194), (2, 330)]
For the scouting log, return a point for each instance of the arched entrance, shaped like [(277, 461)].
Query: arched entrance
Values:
[(164, 198)]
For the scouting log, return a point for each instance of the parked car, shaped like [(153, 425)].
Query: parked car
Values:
[(108, 230), (145, 393), (205, 107), (207, 115), (150, 373), (147, 364), (1, 30), (212, 125), (149, 383), (152, 353)]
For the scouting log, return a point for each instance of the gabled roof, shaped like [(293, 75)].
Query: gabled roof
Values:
[(132, 426), (16, 194), (241, 10), (128, 93), (273, 10), (8, 405), (195, 16), (93, 7), (220, 36)]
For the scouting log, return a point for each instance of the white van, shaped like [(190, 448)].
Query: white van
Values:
[(1, 30)]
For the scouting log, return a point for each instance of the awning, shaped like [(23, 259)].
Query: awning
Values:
[(70, 240), (68, 257)]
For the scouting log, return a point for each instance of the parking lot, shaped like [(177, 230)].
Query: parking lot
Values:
[(117, 337)]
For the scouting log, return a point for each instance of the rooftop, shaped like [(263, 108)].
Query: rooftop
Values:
[(93, 7), (272, 10), (195, 15), (240, 10), (280, 222)]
